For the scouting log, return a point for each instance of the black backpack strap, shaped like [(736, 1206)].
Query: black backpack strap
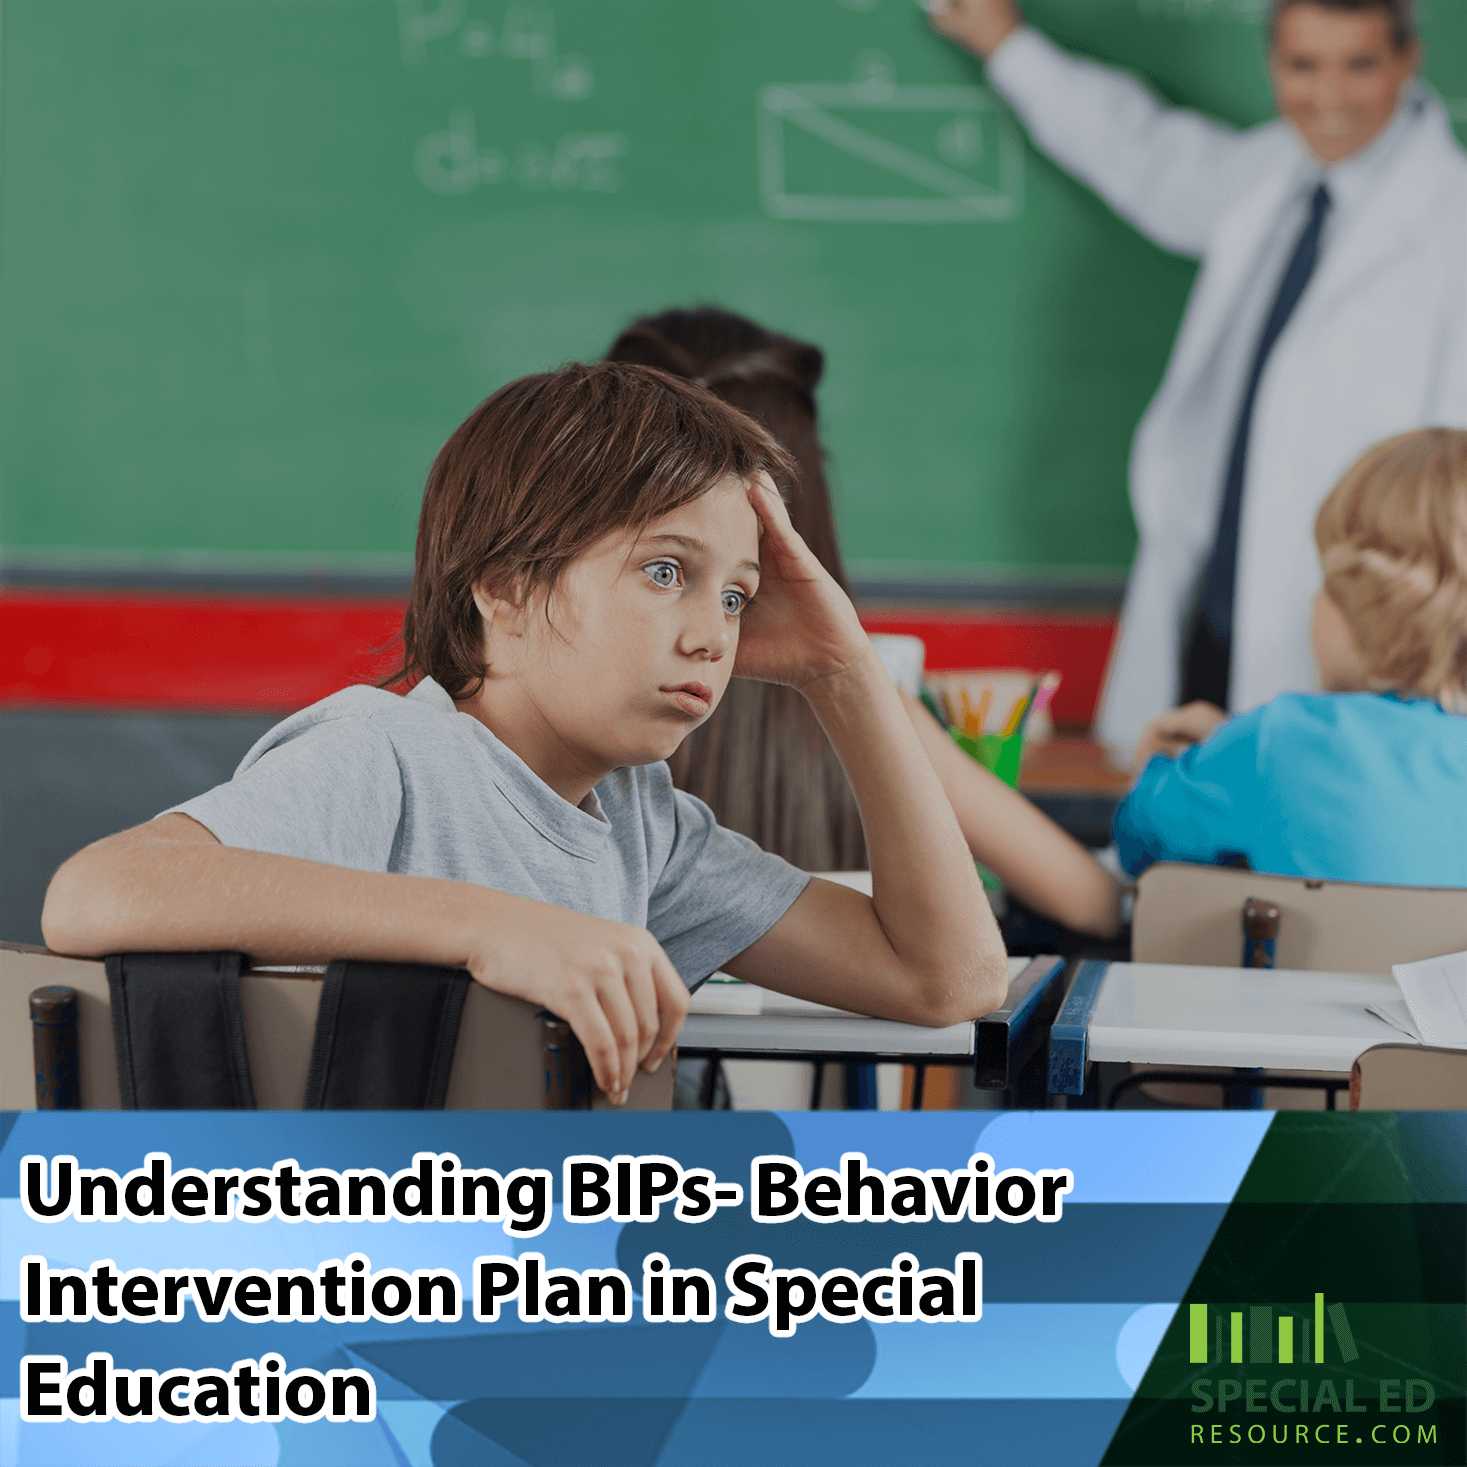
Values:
[(179, 1031), (385, 1036)]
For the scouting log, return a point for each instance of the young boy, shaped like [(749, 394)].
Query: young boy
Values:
[(1366, 781), (597, 548)]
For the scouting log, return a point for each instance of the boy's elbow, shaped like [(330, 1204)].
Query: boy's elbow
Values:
[(74, 915), (963, 997), (992, 984), (62, 917)]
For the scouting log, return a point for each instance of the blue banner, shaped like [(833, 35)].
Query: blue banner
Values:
[(599, 1288)]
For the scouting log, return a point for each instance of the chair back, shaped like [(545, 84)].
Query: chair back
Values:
[(1409, 1077), (1193, 914), (498, 1064)]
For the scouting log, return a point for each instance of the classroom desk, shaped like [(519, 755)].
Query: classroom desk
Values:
[(999, 1046), (1241, 1018), (1069, 764), (1076, 783)]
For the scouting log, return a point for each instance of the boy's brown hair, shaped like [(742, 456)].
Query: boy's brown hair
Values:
[(539, 472), (1393, 540)]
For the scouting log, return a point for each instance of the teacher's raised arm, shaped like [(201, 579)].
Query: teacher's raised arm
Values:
[(980, 25), (1330, 312)]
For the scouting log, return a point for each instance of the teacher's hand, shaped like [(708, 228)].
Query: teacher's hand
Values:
[(980, 25)]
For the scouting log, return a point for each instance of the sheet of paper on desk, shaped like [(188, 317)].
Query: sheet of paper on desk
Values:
[(1435, 990), (723, 994), (1394, 1012)]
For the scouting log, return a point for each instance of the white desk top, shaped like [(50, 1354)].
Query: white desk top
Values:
[(1268, 1018), (781, 1025)]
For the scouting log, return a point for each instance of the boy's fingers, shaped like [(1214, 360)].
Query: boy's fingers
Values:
[(770, 508), (672, 1008), (641, 993), (642, 987), (621, 1015), (784, 546), (588, 1023)]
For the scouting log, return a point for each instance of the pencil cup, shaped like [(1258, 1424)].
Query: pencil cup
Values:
[(999, 755)]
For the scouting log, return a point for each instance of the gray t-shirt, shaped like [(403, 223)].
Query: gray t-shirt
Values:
[(378, 782)]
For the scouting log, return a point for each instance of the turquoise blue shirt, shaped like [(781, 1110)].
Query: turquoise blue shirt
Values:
[(1333, 786)]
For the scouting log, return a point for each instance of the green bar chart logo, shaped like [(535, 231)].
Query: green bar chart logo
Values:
[(1216, 1336)]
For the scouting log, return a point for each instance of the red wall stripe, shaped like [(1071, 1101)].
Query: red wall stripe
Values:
[(236, 653), (112, 650)]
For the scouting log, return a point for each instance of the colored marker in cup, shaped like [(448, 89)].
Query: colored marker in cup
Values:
[(1047, 686), (1041, 696), (1016, 717)]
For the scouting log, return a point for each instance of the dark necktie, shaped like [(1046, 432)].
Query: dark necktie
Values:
[(1215, 598)]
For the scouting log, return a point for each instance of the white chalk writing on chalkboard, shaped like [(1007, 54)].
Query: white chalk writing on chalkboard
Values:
[(453, 161), (525, 33), (935, 154), (421, 21)]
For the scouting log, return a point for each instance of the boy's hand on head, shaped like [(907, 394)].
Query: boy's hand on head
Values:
[(611, 982), (800, 626), (1175, 732)]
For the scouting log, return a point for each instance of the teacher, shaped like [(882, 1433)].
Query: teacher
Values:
[(1330, 312)]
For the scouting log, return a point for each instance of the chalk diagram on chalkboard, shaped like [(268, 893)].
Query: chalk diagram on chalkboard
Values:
[(864, 152)]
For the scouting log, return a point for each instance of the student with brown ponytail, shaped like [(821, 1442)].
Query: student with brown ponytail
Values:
[(761, 761)]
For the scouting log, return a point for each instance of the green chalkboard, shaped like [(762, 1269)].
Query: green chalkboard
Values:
[(257, 257)]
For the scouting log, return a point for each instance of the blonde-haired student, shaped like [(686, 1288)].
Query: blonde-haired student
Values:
[(599, 548), (1366, 781)]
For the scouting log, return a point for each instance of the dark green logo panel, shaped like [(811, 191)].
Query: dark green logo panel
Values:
[(1326, 1320)]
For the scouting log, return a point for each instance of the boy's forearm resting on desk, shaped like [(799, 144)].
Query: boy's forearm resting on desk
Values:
[(925, 947), (171, 886)]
